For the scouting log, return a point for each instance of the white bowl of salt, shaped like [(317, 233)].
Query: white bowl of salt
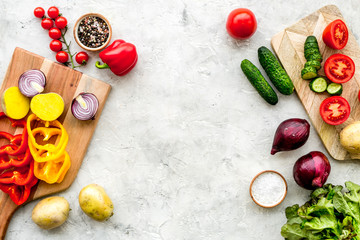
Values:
[(268, 189)]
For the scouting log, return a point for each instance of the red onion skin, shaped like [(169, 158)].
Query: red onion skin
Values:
[(290, 134), (312, 170)]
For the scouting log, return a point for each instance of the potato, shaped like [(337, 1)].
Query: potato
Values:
[(14, 103), (95, 202), (51, 212), (350, 137)]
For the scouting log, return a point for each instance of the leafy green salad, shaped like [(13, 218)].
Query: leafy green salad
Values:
[(332, 213)]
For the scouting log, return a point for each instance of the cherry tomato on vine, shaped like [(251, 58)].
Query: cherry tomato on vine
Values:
[(241, 23), (60, 22), (55, 33), (335, 110), (47, 23), (82, 58), (336, 34), (55, 45), (39, 12), (62, 57), (53, 12)]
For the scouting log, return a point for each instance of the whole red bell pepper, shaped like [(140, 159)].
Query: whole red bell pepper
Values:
[(120, 57)]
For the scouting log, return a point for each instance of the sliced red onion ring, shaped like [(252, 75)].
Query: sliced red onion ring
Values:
[(84, 106), (32, 82)]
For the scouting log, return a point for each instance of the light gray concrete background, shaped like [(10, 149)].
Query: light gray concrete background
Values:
[(184, 133)]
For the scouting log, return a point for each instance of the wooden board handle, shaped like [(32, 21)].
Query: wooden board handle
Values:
[(7, 209)]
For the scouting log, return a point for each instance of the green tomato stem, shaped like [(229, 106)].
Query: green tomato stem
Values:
[(67, 47)]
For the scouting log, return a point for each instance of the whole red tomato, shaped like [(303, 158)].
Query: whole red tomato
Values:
[(241, 23), (62, 57), (55, 33), (82, 58), (39, 12), (47, 23), (60, 22), (53, 12), (55, 45)]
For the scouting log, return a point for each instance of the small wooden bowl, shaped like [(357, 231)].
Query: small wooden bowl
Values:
[(77, 37), (262, 204)]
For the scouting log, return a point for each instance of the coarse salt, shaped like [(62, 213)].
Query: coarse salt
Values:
[(268, 189)]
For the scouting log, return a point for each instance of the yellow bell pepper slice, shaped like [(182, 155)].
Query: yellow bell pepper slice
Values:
[(51, 129), (53, 171)]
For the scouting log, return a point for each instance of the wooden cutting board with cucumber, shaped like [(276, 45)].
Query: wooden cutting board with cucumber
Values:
[(302, 52)]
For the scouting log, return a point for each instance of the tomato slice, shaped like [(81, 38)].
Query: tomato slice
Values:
[(335, 110), (339, 68), (336, 34)]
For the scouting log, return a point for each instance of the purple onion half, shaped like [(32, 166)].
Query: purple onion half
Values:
[(85, 106), (312, 170), (32, 82)]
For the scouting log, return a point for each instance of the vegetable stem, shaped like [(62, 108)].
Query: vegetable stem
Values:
[(68, 47)]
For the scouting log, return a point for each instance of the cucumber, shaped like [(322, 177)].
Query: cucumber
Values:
[(316, 57), (275, 71), (258, 81), (311, 39), (310, 45), (309, 73), (318, 85), (313, 63), (309, 52), (334, 89)]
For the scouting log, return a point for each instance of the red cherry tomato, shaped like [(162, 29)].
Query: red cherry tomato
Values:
[(82, 58), (47, 23), (53, 12), (55, 33), (55, 45), (359, 95), (60, 22), (336, 35), (339, 68), (39, 12), (62, 57), (241, 23), (335, 110)]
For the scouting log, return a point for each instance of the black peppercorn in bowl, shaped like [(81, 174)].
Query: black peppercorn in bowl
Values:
[(92, 32)]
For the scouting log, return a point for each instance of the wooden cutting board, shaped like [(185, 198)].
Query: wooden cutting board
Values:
[(289, 47), (68, 83)]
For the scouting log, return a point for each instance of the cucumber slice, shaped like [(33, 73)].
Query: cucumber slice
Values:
[(313, 63), (334, 89), (318, 85), (309, 73)]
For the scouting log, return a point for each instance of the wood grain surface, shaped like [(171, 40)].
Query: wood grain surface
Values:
[(68, 83), (289, 47)]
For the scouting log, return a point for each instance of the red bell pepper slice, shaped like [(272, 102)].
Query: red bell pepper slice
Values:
[(20, 160), (19, 176), (14, 139), (18, 193)]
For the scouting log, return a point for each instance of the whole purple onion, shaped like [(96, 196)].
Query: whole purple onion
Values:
[(290, 134), (312, 170)]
